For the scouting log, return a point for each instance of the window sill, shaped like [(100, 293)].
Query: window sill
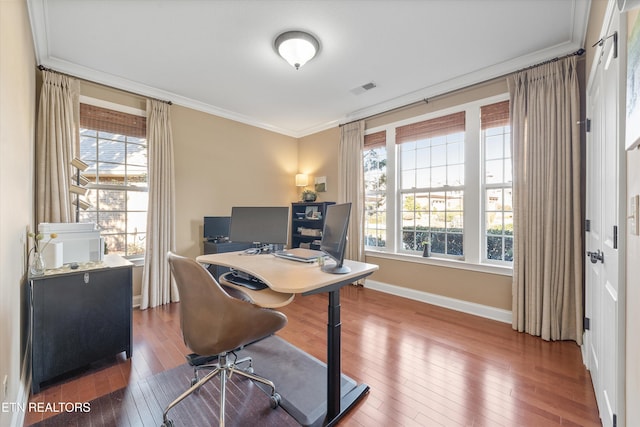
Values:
[(137, 260), (441, 262)]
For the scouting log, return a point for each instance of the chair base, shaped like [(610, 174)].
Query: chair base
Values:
[(201, 363), (226, 369)]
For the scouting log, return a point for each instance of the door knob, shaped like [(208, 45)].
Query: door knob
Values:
[(596, 256)]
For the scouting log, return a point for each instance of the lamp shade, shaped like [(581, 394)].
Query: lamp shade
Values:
[(302, 180), (296, 47)]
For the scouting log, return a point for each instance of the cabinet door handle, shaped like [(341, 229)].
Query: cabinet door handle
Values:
[(86, 278)]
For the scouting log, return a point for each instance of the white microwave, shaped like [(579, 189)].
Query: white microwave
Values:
[(81, 242)]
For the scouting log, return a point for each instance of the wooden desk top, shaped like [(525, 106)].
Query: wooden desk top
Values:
[(282, 275)]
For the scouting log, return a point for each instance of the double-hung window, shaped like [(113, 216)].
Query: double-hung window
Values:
[(498, 210), (442, 182), (431, 184), (114, 145)]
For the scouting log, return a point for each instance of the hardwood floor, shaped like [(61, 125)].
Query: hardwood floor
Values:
[(426, 365)]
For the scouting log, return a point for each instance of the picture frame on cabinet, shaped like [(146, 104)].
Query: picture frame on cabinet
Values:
[(321, 184), (310, 211)]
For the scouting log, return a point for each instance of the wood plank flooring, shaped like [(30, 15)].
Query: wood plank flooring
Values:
[(426, 366)]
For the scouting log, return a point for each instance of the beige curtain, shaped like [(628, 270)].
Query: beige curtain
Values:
[(57, 138), (351, 185), (158, 287), (547, 268)]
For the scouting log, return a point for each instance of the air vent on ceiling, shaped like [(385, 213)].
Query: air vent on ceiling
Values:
[(362, 89)]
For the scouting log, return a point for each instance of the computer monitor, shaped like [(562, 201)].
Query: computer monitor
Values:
[(262, 226), (334, 237), (216, 227)]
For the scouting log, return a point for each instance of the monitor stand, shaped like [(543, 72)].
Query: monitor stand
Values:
[(336, 269)]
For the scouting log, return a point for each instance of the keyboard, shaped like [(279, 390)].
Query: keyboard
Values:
[(253, 284)]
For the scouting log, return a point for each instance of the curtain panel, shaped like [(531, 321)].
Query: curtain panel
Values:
[(58, 135), (158, 286), (547, 268), (351, 185)]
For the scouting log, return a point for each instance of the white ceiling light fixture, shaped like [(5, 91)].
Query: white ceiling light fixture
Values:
[(297, 47)]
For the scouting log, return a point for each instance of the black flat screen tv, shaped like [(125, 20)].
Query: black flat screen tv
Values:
[(267, 225), (216, 227), (334, 237)]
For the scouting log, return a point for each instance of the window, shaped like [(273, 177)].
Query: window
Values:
[(498, 225), (375, 178), (431, 164), (444, 179), (114, 146)]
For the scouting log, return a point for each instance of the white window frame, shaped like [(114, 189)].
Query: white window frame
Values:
[(474, 208)]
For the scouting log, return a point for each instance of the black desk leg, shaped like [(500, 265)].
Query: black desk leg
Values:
[(337, 406), (334, 353)]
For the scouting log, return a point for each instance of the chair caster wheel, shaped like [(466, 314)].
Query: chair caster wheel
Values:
[(249, 370), (194, 381), (275, 400), (167, 423)]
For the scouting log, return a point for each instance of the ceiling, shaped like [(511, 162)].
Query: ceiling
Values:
[(218, 56)]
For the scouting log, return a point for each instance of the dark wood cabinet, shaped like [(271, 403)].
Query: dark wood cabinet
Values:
[(307, 221), (79, 317)]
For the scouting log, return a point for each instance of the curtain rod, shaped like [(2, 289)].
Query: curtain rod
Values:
[(578, 52), (43, 68)]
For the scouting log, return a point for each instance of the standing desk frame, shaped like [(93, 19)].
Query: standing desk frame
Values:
[(291, 277)]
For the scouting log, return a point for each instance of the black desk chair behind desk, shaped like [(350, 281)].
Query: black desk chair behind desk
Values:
[(213, 323)]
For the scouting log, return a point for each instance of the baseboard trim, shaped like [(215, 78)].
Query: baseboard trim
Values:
[(583, 350), (22, 396), (454, 304), (137, 300)]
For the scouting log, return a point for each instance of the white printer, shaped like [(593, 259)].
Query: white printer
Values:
[(75, 242)]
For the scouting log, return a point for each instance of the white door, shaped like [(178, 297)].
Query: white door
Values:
[(602, 273)]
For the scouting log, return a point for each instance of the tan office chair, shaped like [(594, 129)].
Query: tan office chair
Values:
[(214, 323)]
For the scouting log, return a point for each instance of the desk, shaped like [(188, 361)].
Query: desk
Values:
[(287, 276)]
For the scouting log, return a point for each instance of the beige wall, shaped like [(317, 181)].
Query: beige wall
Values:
[(480, 288), (220, 164), (17, 127), (318, 155)]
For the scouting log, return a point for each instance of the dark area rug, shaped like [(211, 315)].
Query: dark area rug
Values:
[(300, 379)]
